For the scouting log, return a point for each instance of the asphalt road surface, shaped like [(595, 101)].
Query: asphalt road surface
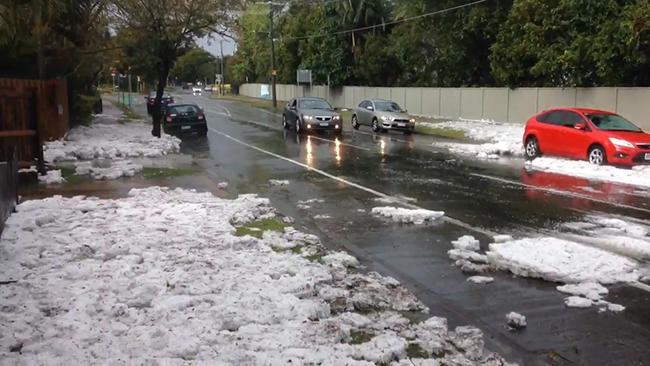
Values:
[(247, 146)]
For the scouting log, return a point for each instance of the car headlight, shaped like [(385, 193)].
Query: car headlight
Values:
[(620, 142), (336, 118), (384, 118), (307, 118), (412, 120)]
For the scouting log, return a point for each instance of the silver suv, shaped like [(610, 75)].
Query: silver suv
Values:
[(382, 115)]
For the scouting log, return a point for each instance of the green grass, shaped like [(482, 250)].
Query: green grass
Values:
[(255, 102), (414, 350), (257, 228), (70, 176), (359, 336), (156, 173), (440, 132)]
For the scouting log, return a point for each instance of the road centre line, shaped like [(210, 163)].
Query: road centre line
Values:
[(355, 185), (559, 192)]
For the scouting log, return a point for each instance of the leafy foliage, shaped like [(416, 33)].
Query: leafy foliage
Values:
[(195, 65), (498, 42)]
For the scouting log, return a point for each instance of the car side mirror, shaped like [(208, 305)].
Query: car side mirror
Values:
[(370, 108), (580, 126)]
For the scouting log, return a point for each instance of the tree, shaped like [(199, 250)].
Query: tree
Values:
[(573, 43), (163, 29), (196, 64)]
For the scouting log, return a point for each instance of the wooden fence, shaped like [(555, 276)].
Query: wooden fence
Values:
[(32, 111), (8, 188)]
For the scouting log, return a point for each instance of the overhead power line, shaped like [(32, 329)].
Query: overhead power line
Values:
[(381, 25)]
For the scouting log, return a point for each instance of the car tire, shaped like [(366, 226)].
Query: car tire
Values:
[(298, 128), (375, 125), (355, 122), (285, 125), (596, 155), (532, 148)]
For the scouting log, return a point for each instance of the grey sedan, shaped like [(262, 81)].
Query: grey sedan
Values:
[(382, 115), (311, 114)]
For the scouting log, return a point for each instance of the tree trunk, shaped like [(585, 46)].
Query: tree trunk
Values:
[(156, 114)]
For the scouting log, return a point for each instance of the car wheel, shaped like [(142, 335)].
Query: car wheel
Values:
[(375, 125), (597, 155), (298, 128), (285, 125), (355, 122), (532, 148)]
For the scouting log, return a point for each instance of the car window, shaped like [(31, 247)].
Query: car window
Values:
[(612, 122), (543, 117), (314, 104), (386, 106), (364, 104), (293, 103), (571, 119), (184, 109), (559, 118)]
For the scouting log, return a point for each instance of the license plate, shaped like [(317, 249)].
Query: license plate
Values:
[(324, 124), (401, 125), (185, 127), (647, 156)]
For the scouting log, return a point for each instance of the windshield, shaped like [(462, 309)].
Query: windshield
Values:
[(387, 107), (184, 109), (314, 104), (612, 122)]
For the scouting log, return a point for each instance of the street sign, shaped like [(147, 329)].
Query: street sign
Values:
[(303, 77)]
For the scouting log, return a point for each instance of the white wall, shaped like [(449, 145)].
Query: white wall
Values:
[(499, 104)]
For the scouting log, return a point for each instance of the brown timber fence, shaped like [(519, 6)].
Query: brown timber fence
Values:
[(8, 188), (31, 111)]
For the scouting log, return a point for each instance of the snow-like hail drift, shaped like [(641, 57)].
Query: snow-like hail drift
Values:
[(160, 275)]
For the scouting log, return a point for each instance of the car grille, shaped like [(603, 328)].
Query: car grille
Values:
[(323, 118), (644, 146), (400, 120)]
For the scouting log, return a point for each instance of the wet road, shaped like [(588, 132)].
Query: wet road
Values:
[(247, 147)]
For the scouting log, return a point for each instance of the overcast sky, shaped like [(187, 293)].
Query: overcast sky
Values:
[(212, 45)]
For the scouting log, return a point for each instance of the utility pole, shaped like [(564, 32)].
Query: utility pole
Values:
[(273, 71), (129, 75), (223, 77)]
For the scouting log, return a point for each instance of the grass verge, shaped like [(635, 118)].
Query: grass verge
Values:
[(258, 227), (156, 173), (359, 336), (440, 132), (68, 173), (255, 102), (129, 114)]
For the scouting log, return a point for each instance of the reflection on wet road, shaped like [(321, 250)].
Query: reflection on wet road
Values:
[(248, 147)]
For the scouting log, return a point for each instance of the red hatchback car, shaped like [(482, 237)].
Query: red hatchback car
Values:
[(598, 136)]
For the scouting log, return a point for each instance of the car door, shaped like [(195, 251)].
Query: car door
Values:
[(292, 112), (549, 132), (362, 111), (576, 141)]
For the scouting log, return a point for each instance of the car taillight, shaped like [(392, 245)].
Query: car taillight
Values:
[(201, 116), (171, 101), (169, 118)]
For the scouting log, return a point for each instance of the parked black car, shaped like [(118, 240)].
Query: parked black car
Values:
[(311, 114), (184, 118), (166, 99)]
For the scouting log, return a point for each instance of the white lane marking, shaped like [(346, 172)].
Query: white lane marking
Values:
[(355, 185), (559, 192)]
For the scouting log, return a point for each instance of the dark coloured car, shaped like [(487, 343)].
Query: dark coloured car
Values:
[(311, 114), (184, 118), (166, 99)]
